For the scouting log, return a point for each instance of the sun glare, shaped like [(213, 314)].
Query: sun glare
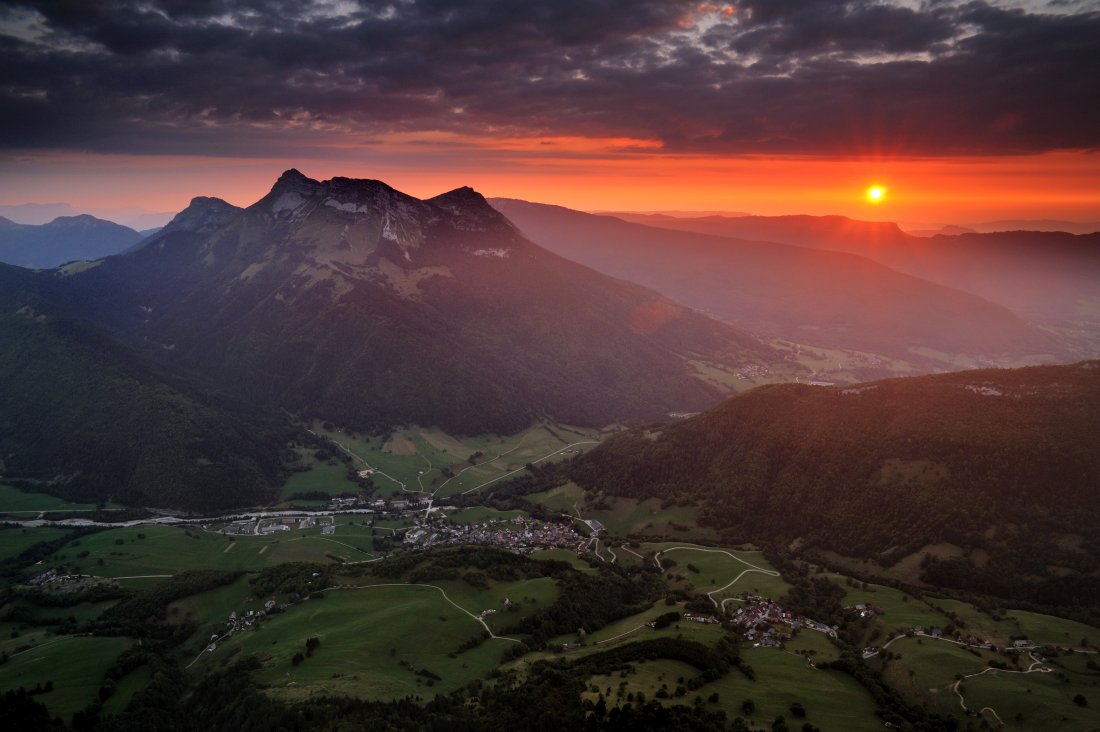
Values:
[(876, 194)]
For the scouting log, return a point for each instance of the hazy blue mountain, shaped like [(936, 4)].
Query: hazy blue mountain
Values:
[(65, 239)]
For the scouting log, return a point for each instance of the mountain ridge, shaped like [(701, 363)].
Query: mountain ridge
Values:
[(821, 298), (349, 300)]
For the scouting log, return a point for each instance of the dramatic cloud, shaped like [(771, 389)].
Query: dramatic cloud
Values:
[(820, 77)]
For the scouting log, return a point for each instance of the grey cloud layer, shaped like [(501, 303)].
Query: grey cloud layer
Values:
[(776, 76)]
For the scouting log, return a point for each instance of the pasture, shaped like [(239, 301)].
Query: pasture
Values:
[(75, 665), (15, 541), (414, 459), (373, 643), (15, 501)]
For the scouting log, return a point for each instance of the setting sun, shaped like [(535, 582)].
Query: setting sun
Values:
[(875, 194)]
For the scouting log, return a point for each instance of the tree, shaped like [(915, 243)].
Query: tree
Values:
[(748, 707)]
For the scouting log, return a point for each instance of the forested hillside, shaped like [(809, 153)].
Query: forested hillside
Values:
[(1004, 462), (83, 418)]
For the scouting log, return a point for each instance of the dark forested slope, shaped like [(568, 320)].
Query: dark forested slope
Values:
[(82, 417), (1006, 461)]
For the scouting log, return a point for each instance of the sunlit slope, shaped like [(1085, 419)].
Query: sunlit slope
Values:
[(825, 298)]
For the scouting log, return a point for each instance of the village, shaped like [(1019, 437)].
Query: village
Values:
[(520, 535)]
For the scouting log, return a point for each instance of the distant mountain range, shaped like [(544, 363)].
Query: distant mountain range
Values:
[(64, 239), (1002, 464), (653, 218), (42, 213), (1043, 276), (829, 299)]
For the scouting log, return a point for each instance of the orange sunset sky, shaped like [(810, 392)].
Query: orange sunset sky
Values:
[(961, 112)]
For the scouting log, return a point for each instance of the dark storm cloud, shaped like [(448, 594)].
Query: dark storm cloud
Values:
[(766, 76)]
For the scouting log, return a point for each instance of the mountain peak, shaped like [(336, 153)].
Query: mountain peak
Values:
[(293, 176), (469, 207), (79, 220), (202, 213)]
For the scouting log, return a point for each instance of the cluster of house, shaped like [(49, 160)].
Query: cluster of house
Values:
[(967, 640), (65, 583), (48, 576), (752, 371), (761, 619), (520, 535), (865, 611), (696, 618)]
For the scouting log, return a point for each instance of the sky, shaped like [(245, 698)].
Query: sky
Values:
[(960, 110)]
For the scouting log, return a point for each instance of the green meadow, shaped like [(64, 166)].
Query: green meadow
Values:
[(414, 459), (831, 700), (1034, 701), (373, 643), (75, 665), (16, 501), (14, 541)]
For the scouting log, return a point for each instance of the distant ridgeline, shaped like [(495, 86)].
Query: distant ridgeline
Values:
[(1003, 464)]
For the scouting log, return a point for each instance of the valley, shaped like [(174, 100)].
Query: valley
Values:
[(414, 566), (331, 614), (494, 366), (348, 455)]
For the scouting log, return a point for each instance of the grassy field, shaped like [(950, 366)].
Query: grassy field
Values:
[(74, 665), (166, 550), (125, 689), (563, 555), (14, 542), (903, 611), (928, 664), (214, 606), (626, 516), (13, 500), (413, 459), (1033, 701), (365, 636), (527, 596), (831, 700), (717, 569), (330, 476)]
